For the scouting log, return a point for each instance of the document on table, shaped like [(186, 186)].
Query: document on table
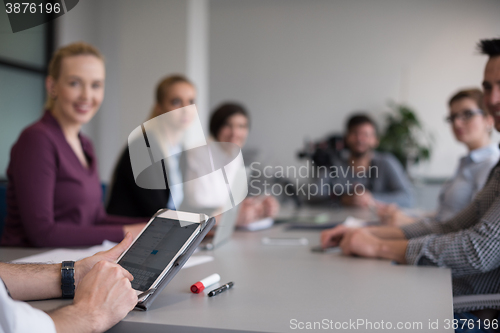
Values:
[(259, 225), (60, 255), (353, 222)]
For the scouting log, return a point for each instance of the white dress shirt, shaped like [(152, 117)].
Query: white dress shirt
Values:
[(175, 177), (19, 317), (468, 180)]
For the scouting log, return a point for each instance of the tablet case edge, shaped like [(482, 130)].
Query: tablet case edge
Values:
[(181, 260)]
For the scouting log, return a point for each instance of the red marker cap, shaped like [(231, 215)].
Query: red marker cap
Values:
[(199, 286)]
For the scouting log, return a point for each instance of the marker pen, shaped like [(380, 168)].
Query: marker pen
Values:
[(208, 281), (217, 291)]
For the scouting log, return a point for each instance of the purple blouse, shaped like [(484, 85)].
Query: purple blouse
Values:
[(52, 199)]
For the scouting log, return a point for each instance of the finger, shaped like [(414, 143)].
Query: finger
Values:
[(386, 221), (116, 270), (371, 203), (339, 231), (348, 239), (393, 208), (333, 242), (331, 237), (118, 249), (325, 236), (127, 274), (324, 241), (344, 245)]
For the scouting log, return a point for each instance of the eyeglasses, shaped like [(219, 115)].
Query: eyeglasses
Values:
[(464, 116)]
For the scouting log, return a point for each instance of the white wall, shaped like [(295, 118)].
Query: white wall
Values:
[(299, 66), (142, 42), (302, 66), (198, 54)]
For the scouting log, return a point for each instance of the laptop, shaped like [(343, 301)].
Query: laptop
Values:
[(223, 230), (309, 219)]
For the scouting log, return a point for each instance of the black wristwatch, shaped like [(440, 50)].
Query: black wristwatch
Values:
[(68, 279)]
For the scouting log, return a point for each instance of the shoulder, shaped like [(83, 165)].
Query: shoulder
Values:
[(386, 158), (36, 145), (487, 162), (35, 137), (494, 156)]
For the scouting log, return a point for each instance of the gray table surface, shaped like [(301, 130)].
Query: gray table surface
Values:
[(278, 287)]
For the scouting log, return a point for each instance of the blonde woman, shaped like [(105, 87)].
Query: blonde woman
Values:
[(128, 199), (54, 192)]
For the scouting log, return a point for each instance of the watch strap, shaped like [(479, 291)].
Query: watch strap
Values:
[(68, 279)]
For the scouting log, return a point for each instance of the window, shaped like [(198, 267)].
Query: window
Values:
[(23, 65)]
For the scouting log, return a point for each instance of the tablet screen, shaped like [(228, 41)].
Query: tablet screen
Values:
[(154, 249)]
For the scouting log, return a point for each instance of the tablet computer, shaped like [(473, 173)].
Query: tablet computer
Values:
[(161, 249)]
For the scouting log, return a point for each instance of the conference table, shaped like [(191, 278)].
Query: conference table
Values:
[(288, 288)]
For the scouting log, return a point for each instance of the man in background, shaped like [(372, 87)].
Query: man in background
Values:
[(362, 176)]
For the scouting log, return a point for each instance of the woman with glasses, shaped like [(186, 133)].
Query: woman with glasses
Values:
[(472, 126)]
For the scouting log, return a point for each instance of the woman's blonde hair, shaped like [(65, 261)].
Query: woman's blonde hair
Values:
[(74, 49), (163, 87)]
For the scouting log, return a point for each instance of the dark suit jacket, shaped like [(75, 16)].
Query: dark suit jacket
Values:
[(128, 199)]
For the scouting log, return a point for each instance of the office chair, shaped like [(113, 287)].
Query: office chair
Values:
[(3, 204)]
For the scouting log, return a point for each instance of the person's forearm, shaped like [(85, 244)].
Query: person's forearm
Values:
[(23, 285), (402, 198), (70, 319), (387, 232), (393, 250)]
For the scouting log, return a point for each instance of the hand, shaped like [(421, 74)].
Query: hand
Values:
[(134, 229), (363, 242), (249, 212), (271, 206), (256, 208), (104, 296), (385, 212), (364, 200), (360, 242), (82, 267), (393, 216), (332, 237)]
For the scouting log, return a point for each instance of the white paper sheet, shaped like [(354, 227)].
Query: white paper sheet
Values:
[(60, 255), (353, 222), (264, 223)]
